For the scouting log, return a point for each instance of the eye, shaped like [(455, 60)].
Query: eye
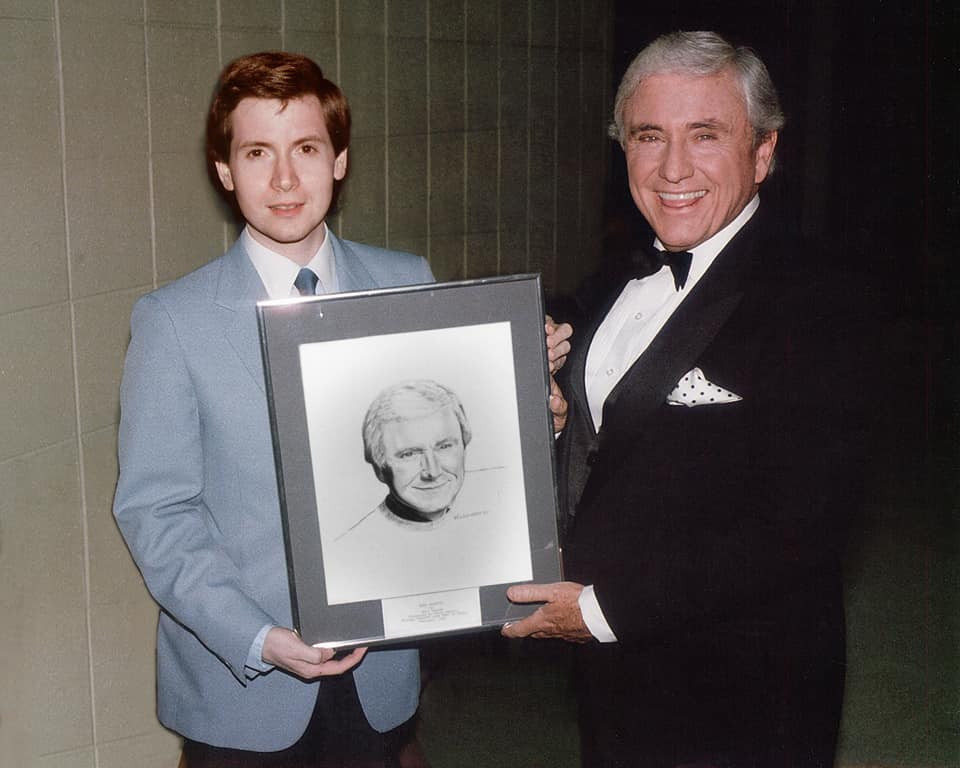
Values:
[(255, 153), (706, 137), (643, 138), (446, 445), (406, 454), (308, 149)]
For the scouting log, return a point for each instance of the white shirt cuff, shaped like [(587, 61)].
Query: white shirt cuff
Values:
[(593, 616), (255, 664)]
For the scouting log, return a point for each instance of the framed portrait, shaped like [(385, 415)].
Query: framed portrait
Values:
[(414, 454)]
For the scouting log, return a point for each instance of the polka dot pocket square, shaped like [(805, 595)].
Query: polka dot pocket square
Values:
[(694, 389)]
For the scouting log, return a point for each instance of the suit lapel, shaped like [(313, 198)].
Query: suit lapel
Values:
[(238, 291), (240, 288), (351, 274)]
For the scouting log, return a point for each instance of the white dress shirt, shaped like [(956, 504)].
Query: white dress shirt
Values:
[(278, 272), (634, 320)]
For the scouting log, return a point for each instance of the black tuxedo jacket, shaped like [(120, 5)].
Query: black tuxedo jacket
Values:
[(713, 534)]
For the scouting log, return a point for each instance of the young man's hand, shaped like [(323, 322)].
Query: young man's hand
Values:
[(283, 648)]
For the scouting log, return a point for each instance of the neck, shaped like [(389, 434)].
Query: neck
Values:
[(301, 252), (406, 512)]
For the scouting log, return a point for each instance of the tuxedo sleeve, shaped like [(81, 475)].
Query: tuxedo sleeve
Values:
[(159, 504)]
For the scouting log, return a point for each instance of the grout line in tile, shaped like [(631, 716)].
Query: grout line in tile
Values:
[(151, 191), (554, 258), (526, 255), (429, 150), (499, 141), (81, 475)]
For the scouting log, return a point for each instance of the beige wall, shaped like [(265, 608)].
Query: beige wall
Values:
[(478, 142)]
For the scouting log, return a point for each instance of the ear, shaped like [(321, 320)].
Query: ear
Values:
[(340, 165), (763, 157), (223, 171)]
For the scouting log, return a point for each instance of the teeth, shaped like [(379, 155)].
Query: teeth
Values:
[(682, 195)]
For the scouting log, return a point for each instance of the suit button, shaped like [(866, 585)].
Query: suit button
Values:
[(592, 458)]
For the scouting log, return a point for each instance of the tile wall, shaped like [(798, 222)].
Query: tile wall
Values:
[(478, 142)]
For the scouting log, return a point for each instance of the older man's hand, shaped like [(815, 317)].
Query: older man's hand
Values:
[(558, 406), (559, 617), (558, 346)]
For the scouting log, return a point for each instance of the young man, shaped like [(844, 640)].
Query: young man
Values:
[(197, 497)]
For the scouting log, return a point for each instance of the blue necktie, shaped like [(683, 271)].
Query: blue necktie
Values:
[(306, 282)]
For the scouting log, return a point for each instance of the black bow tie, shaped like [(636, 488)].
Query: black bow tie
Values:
[(678, 261)]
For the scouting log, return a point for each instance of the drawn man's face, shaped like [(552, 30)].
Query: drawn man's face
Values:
[(423, 460)]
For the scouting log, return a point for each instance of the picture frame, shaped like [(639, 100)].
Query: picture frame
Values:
[(414, 455)]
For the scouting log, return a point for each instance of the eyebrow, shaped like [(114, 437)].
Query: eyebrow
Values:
[(313, 138), (254, 143), (710, 123)]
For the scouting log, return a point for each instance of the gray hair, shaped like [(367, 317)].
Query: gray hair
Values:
[(703, 54), (407, 400)]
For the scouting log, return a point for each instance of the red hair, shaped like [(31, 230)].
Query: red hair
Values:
[(273, 75)]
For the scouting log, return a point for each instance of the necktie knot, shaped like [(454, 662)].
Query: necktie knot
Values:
[(306, 282), (679, 263)]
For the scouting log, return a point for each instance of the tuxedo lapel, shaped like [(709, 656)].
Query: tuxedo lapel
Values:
[(673, 352), (683, 339), (238, 290), (576, 391), (579, 440)]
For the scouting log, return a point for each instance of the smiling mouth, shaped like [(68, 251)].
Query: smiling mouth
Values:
[(679, 197), (285, 207), (435, 487)]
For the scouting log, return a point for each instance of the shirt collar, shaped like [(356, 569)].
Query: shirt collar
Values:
[(708, 250), (278, 272)]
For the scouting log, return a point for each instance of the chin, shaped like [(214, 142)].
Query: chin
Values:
[(676, 238)]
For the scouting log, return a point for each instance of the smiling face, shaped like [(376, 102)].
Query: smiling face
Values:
[(423, 460), (282, 168), (690, 156)]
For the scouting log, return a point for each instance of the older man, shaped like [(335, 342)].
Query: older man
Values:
[(701, 467)]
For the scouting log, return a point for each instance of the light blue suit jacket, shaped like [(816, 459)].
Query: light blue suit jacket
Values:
[(197, 504)]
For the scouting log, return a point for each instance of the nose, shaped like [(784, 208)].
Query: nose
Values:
[(675, 165), (284, 174), (429, 466)]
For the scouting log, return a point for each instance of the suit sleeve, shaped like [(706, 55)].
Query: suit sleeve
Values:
[(426, 274), (159, 504)]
